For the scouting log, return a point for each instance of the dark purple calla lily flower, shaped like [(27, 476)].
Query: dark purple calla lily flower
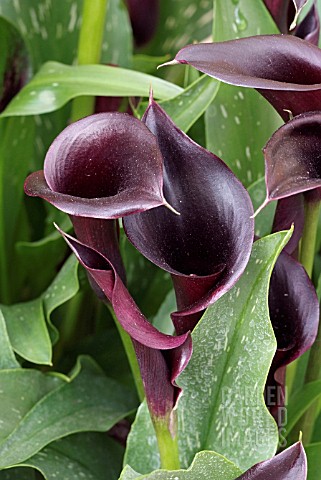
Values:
[(161, 357), (288, 465), (275, 65), (294, 313), (207, 247), (101, 168), (292, 158)]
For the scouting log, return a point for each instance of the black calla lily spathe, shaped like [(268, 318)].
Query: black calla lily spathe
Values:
[(207, 246)]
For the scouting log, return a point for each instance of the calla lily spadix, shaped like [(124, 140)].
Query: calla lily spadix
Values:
[(207, 247)]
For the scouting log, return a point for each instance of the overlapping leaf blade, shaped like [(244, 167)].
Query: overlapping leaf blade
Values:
[(42, 94)]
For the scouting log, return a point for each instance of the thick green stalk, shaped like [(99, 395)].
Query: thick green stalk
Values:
[(311, 218), (131, 356), (313, 373), (167, 445), (312, 209), (89, 49)]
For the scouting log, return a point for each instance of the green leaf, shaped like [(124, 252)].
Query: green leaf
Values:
[(28, 332), (88, 402), (56, 84), (222, 407), (264, 220), (148, 63), (7, 357), (300, 402), (313, 452), (23, 389), (240, 121), (32, 256), (162, 320), (117, 45), (50, 28), (181, 23), (27, 323), (16, 151), (205, 466), (234, 345), (64, 286), (92, 456)]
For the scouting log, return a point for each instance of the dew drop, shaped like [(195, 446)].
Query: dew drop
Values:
[(240, 20)]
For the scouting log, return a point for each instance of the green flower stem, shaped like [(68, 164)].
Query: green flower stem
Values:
[(131, 355), (311, 215), (313, 373), (89, 49), (312, 209), (167, 445)]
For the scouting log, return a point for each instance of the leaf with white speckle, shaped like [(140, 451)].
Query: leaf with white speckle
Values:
[(181, 22), (222, 407), (56, 84)]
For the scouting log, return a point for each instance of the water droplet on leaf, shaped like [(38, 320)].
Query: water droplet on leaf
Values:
[(240, 20)]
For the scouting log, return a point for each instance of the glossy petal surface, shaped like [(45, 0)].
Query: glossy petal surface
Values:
[(103, 166), (291, 464), (207, 246), (276, 65), (292, 157)]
